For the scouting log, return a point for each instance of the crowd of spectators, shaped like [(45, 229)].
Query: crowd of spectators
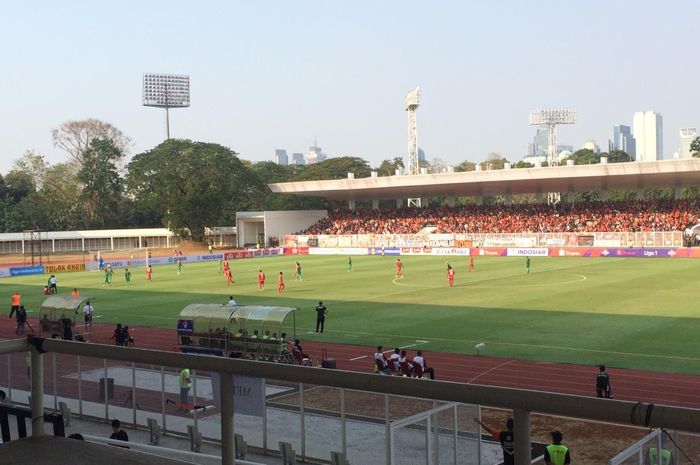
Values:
[(618, 216)]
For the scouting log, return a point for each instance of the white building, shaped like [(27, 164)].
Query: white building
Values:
[(591, 145), (314, 155), (647, 128), (688, 135)]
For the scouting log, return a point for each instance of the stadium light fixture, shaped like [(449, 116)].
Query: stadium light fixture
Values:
[(166, 91), (550, 118)]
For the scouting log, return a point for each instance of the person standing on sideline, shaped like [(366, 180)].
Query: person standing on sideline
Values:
[(321, 312), (21, 316), (349, 263), (527, 265), (602, 383), (556, 453), (53, 284), (471, 263), (149, 273), (88, 310), (185, 383), (280, 283), (231, 301), (16, 302), (506, 438)]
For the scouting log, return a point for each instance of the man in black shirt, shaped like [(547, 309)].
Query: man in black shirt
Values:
[(602, 383), (321, 312), (506, 438), (118, 433)]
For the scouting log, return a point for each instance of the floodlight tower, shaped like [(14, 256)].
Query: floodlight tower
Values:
[(166, 91), (550, 118), (412, 165)]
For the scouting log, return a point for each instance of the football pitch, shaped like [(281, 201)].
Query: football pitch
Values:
[(636, 313)]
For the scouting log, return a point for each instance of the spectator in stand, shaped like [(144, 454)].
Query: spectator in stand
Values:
[(612, 216), (118, 433)]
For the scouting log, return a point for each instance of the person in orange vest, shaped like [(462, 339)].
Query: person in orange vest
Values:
[(75, 293), (16, 302)]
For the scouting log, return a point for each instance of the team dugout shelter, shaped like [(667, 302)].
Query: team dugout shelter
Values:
[(565, 180)]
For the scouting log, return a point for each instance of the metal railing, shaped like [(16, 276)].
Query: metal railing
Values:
[(522, 402)]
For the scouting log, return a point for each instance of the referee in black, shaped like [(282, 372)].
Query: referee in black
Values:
[(321, 312)]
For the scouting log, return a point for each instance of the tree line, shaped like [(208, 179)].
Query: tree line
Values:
[(179, 184)]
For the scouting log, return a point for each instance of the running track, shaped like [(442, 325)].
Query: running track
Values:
[(639, 386)]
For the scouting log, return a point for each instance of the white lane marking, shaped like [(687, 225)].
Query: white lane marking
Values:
[(358, 358), (490, 370)]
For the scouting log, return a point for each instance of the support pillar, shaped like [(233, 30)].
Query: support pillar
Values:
[(571, 196), (677, 192), (375, 204), (450, 201), (480, 200), (509, 198), (399, 203), (521, 431), (351, 204), (228, 452), (539, 197), (37, 371), (640, 193)]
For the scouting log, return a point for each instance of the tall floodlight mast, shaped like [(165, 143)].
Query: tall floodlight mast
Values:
[(412, 165), (550, 119), (166, 91)]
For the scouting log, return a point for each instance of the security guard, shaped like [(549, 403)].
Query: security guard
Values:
[(556, 453)]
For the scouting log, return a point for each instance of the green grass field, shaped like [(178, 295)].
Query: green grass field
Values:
[(637, 313)]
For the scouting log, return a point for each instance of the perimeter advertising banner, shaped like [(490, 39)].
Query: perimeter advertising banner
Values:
[(384, 251), (248, 395), (65, 267), (26, 270), (527, 252)]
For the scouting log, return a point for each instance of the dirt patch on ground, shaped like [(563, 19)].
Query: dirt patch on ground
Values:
[(591, 443)]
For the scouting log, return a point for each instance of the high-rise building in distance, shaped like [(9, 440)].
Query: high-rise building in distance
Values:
[(688, 135), (281, 157), (315, 155), (647, 128), (622, 139), (298, 159)]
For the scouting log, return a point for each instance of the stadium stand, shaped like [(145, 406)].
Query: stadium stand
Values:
[(617, 216)]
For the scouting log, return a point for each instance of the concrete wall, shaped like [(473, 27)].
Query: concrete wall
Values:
[(279, 223)]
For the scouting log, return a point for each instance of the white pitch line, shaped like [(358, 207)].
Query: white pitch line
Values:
[(358, 358), (490, 370)]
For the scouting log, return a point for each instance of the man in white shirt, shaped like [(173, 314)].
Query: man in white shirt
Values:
[(419, 360), (231, 300), (380, 361), (394, 363), (88, 311)]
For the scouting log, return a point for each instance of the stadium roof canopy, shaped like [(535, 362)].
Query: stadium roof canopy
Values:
[(578, 178)]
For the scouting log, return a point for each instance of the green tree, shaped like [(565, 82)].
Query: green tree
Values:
[(585, 157), (617, 156), (34, 165), (494, 161), (102, 186), (335, 168), (60, 201), (695, 147), (389, 167), (465, 166), (269, 172), (192, 185), (523, 164)]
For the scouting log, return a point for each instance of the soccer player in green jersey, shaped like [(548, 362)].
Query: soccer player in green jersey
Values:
[(527, 265), (127, 276), (179, 267), (297, 269), (107, 281), (349, 263)]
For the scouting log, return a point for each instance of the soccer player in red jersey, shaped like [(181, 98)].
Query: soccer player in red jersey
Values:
[(280, 283), (261, 280), (229, 277), (399, 268), (471, 263), (149, 273), (450, 275)]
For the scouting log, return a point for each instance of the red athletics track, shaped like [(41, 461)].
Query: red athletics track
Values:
[(639, 386)]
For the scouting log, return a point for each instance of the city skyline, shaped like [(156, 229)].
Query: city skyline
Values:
[(478, 86)]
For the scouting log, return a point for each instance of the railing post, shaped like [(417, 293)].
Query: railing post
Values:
[(227, 431), (301, 419), (9, 377), (80, 390), (133, 391), (264, 415), (106, 391), (343, 425), (53, 372), (162, 396), (387, 432), (521, 431), (37, 393)]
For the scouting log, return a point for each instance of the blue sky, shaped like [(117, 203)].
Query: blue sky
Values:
[(276, 74)]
